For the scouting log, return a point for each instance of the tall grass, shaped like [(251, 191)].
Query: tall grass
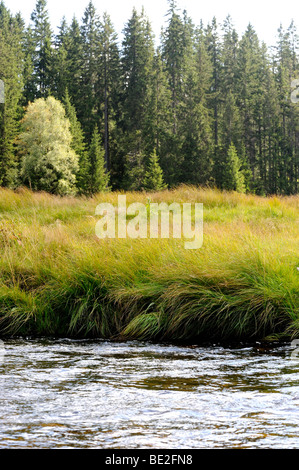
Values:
[(57, 278)]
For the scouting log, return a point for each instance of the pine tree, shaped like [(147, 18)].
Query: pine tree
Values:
[(137, 67), (30, 85), (157, 123), (43, 53), (90, 88), (137, 62), (134, 171), (173, 54), (153, 180), (287, 64), (175, 47), (196, 123), (213, 47), (78, 145), (109, 86), (99, 177), (73, 44), (232, 176), (249, 92), (230, 123), (11, 74), (60, 63)]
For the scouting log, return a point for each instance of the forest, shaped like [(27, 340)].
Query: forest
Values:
[(86, 110)]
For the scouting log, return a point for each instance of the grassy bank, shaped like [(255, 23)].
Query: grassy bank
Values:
[(58, 278)]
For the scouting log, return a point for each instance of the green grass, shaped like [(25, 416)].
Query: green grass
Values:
[(58, 279)]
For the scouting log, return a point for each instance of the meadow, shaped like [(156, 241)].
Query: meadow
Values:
[(58, 279)]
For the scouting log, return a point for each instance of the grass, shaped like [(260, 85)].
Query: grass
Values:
[(58, 279)]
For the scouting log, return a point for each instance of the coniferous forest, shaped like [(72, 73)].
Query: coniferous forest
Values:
[(200, 105)]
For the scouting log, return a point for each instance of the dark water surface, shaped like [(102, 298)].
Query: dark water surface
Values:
[(100, 394)]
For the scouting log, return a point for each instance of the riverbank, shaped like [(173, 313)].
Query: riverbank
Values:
[(58, 279)]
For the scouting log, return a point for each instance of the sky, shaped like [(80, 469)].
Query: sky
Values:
[(264, 15)]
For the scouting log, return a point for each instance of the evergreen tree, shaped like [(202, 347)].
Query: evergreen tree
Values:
[(137, 63), (109, 86), (232, 176), (157, 124), (287, 64), (42, 54), (60, 63), (30, 85), (153, 180), (98, 177), (213, 47), (134, 171), (11, 74), (137, 68), (230, 123), (72, 42), (78, 145), (175, 48), (90, 89), (196, 123), (249, 92), (173, 53)]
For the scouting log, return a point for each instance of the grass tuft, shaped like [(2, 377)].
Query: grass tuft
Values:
[(58, 278)]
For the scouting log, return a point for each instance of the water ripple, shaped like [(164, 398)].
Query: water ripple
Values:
[(101, 394)]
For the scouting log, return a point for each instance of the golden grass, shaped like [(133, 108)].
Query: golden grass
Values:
[(58, 278)]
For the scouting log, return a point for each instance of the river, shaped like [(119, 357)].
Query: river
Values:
[(62, 393)]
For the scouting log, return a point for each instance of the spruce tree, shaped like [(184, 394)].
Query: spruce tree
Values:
[(196, 123), (157, 122), (43, 53), (109, 87), (137, 63), (78, 145), (232, 176), (134, 171), (60, 62), (73, 44), (137, 67), (175, 46), (88, 106), (153, 180), (11, 73), (98, 177)]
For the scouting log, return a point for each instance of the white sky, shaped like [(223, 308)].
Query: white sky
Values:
[(264, 15)]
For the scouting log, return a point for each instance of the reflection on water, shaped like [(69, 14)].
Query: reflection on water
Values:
[(100, 394)]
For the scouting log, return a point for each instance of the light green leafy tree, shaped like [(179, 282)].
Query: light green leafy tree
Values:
[(48, 161)]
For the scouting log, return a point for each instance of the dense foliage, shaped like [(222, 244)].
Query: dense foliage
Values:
[(49, 163), (214, 108)]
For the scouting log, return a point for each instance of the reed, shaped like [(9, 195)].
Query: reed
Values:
[(58, 279)]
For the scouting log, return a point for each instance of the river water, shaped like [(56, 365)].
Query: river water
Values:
[(100, 394)]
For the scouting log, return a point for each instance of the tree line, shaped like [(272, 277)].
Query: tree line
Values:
[(203, 107)]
